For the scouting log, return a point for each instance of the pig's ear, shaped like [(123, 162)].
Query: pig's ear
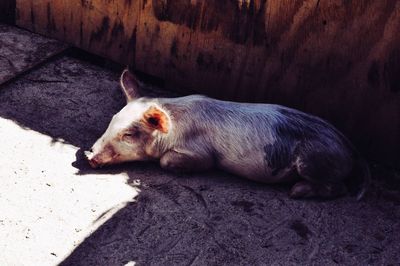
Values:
[(130, 85), (157, 119)]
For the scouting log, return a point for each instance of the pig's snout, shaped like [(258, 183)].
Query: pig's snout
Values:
[(94, 163)]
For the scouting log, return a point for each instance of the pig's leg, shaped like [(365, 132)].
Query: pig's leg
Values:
[(322, 175), (181, 162)]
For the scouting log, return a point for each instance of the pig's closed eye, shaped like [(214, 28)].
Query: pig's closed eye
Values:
[(131, 136)]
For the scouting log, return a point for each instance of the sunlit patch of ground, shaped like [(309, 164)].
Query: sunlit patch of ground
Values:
[(46, 210)]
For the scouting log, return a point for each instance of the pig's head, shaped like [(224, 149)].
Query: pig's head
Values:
[(132, 132)]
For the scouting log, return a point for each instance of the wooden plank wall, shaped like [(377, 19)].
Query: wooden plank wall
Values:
[(339, 59), (7, 11)]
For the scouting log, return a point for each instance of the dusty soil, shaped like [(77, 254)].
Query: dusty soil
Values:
[(54, 209), (21, 50)]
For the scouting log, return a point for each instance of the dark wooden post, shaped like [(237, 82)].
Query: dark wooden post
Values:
[(7, 11)]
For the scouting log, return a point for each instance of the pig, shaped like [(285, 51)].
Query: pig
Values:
[(267, 143)]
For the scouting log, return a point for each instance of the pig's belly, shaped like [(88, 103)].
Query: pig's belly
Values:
[(258, 170)]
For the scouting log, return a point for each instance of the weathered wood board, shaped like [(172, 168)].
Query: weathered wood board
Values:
[(337, 59), (21, 50)]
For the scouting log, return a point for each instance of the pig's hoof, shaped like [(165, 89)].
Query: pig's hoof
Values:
[(302, 189), (305, 189)]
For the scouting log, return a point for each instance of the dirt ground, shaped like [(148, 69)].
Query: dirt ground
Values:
[(21, 50), (55, 210)]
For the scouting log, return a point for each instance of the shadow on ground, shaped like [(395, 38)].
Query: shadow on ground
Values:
[(207, 219)]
